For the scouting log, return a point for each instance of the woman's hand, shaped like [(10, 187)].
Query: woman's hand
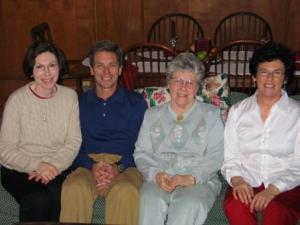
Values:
[(44, 173), (182, 180), (263, 198), (241, 190), (164, 181)]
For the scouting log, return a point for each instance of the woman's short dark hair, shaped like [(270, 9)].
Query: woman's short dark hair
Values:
[(273, 51), (38, 48), (106, 46)]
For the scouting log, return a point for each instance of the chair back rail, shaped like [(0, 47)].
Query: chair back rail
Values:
[(233, 59), (176, 30), (242, 26), (151, 61), (41, 33)]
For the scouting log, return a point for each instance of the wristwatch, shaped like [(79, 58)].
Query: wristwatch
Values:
[(120, 167)]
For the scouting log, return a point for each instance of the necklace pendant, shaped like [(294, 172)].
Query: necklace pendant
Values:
[(179, 118)]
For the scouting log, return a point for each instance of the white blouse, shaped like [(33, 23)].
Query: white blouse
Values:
[(263, 152)]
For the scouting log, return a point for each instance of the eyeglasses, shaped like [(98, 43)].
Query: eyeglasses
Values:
[(265, 73), (179, 82), (42, 68)]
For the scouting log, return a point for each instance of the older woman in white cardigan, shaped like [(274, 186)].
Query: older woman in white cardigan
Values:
[(179, 151)]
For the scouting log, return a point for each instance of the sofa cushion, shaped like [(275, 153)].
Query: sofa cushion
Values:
[(236, 96), (213, 90), (296, 97)]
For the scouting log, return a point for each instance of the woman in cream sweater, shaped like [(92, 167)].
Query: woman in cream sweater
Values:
[(40, 136)]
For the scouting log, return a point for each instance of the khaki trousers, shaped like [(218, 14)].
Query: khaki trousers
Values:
[(121, 201)]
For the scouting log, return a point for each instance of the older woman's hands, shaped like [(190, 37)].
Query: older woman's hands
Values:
[(168, 183), (44, 173), (164, 181), (182, 180), (241, 190), (263, 198)]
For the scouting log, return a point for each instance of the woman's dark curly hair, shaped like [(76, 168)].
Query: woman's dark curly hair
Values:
[(273, 51), (38, 48)]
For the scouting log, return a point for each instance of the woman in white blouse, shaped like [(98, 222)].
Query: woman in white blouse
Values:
[(262, 146), (179, 151)]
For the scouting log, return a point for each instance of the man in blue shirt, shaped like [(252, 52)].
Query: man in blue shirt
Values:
[(110, 121)]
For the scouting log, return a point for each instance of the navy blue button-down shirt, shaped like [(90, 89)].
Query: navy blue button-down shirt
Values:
[(109, 126)]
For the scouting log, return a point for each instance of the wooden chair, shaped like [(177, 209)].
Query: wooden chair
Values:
[(150, 61), (176, 30), (297, 71), (242, 26), (41, 33), (293, 86), (233, 59)]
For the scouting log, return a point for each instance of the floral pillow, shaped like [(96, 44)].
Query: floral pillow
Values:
[(214, 90)]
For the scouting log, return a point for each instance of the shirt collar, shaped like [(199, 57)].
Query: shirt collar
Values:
[(281, 104), (117, 96)]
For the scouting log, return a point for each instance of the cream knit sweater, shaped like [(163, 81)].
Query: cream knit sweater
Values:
[(35, 130)]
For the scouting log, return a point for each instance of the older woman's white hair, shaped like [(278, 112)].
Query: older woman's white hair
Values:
[(186, 61)]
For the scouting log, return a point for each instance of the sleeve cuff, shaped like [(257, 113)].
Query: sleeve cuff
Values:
[(230, 174), (281, 186)]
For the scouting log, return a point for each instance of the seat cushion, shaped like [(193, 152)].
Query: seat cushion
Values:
[(216, 215), (236, 97), (296, 97), (9, 208)]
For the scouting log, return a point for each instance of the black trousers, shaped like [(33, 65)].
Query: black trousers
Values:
[(38, 202)]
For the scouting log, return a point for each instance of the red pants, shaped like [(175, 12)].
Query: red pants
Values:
[(284, 209)]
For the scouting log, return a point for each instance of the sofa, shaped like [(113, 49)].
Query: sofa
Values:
[(214, 90)]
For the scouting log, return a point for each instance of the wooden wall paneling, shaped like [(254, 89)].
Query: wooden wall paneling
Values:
[(15, 40), (293, 25), (74, 28), (210, 13), (157, 8), (120, 21), (15, 36), (71, 23), (77, 24)]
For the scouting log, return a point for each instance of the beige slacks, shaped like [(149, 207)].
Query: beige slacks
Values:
[(121, 201)]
